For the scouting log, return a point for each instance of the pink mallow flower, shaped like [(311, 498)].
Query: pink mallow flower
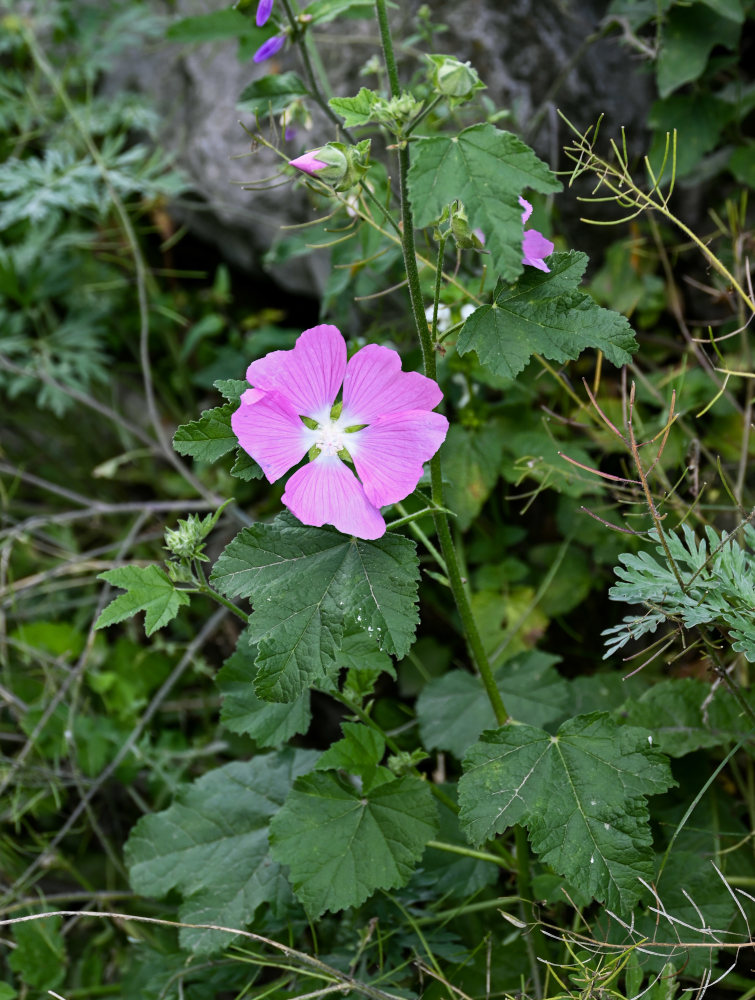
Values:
[(385, 425), (534, 245)]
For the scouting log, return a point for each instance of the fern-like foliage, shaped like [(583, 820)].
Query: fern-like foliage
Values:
[(718, 573)]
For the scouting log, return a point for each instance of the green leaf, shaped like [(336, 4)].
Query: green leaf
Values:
[(364, 664), (358, 753), (208, 438), (148, 589), (355, 110), (689, 35), (271, 94), (269, 725), (210, 27), (212, 845), (698, 119), (454, 709), (582, 794), (487, 169), (342, 843), (39, 957), (245, 467), (308, 586), (545, 314), (684, 717), (471, 462), (231, 388), (322, 11)]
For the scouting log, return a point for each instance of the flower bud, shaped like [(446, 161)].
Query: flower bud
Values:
[(337, 164), (453, 78)]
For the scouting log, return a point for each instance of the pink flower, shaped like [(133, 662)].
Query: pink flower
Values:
[(386, 426), (264, 9), (308, 162), (534, 245)]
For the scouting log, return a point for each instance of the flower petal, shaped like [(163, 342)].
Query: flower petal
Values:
[(309, 376), (326, 491), (375, 386), (264, 9), (534, 248), (269, 429), (527, 209), (269, 48), (389, 454)]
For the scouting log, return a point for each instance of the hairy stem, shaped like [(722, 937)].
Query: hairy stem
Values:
[(447, 547)]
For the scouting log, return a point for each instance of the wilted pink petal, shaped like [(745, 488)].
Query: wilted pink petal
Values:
[(264, 9), (375, 385), (308, 162), (534, 248), (527, 209), (399, 433), (391, 452), (270, 430), (309, 376), (269, 48), (326, 491)]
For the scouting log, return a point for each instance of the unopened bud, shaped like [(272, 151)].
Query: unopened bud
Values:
[(453, 78)]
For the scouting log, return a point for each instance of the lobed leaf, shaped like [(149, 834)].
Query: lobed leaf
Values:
[(148, 589), (308, 586), (545, 314), (212, 845), (581, 793), (487, 169), (341, 843)]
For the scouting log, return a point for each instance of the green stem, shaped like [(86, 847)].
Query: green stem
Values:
[(447, 548), (468, 852), (388, 54), (423, 114), (298, 36)]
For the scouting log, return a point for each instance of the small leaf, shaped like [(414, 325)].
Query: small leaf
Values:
[(271, 94), (341, 843), (269, 725), (581, 793), (355, 110), (208, 438), (545, 314), (245, 467), (39, 957), (231, 388), (227, 23), (148, 589), (487, 169), (212, 845), (471, 461), (308, 585), (358, 753)]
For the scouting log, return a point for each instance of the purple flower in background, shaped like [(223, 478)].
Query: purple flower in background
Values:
[(534, 245), (386, 427), (308, 162), (269, 48), (264, 9)]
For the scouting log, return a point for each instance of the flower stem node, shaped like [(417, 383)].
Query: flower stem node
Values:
[(454, 79), (339, 165)]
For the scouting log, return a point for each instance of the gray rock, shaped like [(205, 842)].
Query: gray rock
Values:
[(532, 54)]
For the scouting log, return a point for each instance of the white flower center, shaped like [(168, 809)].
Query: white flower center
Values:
[(329, 437)]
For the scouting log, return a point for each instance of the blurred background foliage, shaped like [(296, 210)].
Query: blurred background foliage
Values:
[(110, 337)]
